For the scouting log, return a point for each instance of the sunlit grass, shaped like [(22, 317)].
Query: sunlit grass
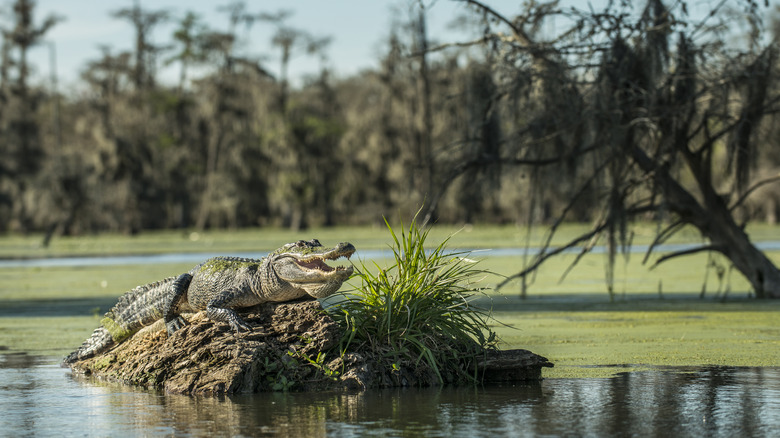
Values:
[(418, 309)]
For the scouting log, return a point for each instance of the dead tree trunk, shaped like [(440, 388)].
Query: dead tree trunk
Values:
[(715, 221)]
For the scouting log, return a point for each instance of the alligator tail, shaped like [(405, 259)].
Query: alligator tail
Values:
[(135, 309), (100, 341)]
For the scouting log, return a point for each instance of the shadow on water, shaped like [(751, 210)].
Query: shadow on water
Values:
[(43, 400), (639, 302), (57, 307)]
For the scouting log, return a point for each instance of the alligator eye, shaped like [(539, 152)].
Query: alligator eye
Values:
[(314, 242), (300, 243)]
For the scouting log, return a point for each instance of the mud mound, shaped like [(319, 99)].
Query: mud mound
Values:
[(291, 347)]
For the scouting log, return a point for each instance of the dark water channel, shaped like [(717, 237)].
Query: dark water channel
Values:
[(37, 398), (194, 258)]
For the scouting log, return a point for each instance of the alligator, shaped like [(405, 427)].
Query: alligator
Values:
[(219, 286)]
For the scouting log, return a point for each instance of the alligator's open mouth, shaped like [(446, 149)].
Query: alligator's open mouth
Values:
[(320, 264), (305, 263), (317, 261)]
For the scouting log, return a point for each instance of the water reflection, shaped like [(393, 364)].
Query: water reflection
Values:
[(43, 400)]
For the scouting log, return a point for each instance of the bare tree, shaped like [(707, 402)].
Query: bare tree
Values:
[(145, 51), (645, 115), (424, 131), (189, 37)]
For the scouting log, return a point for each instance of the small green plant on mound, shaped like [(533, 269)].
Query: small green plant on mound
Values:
[(419, 309)]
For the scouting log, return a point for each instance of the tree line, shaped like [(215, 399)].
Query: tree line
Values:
[(630, 112)]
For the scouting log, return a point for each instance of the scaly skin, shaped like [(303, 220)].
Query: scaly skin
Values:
[(219, 286)]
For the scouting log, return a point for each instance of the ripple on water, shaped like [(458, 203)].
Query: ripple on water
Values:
[(38, 398)]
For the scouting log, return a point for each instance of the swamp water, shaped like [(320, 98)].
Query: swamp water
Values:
[(38, 398)]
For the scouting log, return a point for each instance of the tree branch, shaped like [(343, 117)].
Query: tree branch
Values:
[(485, 160), (753, 188), (718, 248), (584, 188), (662, 236), (446, 46), (544, 256), (520, 35)]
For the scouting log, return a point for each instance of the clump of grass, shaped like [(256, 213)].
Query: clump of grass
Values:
[(419, 309)]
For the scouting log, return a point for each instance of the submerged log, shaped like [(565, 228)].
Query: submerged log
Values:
[(285, 350)]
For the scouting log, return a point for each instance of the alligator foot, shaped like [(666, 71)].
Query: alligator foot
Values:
[(175, 324), (229, 316)]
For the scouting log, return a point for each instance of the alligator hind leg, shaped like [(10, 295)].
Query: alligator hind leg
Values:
[(218, 309), (178, 292)]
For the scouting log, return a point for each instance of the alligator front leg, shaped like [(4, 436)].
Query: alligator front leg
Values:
[(220, 309), (178, 293)]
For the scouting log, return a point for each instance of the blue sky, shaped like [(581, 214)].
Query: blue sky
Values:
[(358, 28)]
